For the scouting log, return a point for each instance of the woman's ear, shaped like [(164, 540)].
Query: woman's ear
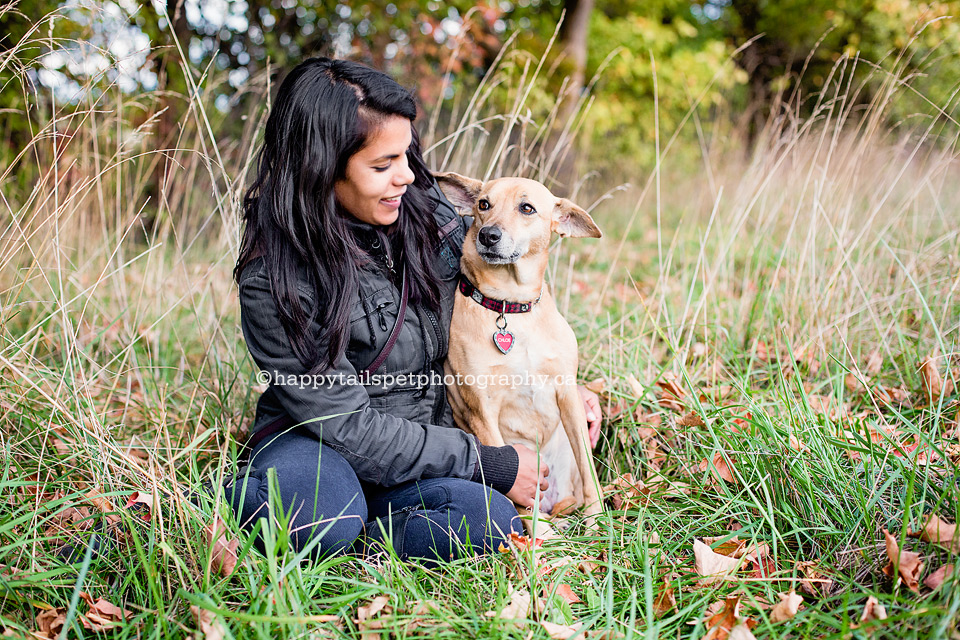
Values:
[(461, 191), (573, 222)]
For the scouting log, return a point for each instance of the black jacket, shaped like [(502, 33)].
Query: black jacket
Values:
[(398, 428)]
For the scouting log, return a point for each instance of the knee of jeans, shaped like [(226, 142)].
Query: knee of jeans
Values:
[(337, 535)]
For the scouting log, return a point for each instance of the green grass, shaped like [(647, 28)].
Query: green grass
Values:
[(122, 369)]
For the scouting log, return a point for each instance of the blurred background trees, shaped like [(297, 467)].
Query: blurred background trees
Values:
[(643, 68)]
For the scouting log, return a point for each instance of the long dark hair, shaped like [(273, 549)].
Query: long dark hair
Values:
[(324, 112)]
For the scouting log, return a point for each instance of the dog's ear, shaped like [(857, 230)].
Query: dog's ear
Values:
[(570, 221), (460, 190)]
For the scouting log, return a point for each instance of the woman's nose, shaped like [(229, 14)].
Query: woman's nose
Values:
[(405, 176)]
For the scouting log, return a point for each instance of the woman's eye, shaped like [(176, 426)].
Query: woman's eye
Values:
[(381, 169), (527, 209), (483, 205)]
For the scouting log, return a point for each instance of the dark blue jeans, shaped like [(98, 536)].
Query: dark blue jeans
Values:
[(435, 519)]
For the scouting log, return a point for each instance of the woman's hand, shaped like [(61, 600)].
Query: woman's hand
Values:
[(530, 475), (591, 405)]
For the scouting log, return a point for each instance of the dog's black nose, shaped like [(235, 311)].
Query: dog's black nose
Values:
[(489, 236)]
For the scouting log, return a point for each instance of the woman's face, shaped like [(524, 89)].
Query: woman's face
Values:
[(377, 175)]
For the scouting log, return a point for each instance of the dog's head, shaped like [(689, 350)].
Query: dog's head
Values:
[(514, 217)]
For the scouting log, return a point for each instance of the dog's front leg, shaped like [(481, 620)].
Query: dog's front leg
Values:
[(574, 421)]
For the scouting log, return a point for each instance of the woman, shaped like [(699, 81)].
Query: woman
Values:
[(349, 261)]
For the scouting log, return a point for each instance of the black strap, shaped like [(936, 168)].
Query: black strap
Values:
[(283, 422)]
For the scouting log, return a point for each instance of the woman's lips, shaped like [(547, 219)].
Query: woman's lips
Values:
[(392, 203)]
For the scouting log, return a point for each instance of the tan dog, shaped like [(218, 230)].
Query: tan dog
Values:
[(515, 373)]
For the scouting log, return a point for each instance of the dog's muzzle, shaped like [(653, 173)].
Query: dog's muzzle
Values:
[(490, 246)]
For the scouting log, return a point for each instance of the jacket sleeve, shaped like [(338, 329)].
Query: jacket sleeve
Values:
[(381, 448)]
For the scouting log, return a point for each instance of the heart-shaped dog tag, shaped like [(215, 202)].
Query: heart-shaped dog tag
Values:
[(503, 339)]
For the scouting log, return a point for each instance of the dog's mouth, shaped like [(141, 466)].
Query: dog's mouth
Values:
[(494, 257)]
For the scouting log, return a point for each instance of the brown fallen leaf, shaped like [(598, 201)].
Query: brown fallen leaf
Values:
[(935, 579), (517, 609), (713, 567), (905, 563), (724, 617), (665, 601), (211, 625), (761, 351), (722, 467), (873, 610), (672, 393), (828, 407), (223, 556), (95, 497), (891, 396), (626, 493), (597, 385), (741, 632), (562, 631), (930, 375), (368, 621), (690, 419), (567, 594), (852, 381), (103, 614), (787, 608), (874, 363), (939, 532), (50, 622), (635, 387), (813, 583)]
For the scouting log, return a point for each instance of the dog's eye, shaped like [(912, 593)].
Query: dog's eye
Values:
[(527, 209), (483, 205)]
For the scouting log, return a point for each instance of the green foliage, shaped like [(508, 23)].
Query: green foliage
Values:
[(662, 67)]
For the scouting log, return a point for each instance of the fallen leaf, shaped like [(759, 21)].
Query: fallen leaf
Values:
[(761, 351), (935, 579), (873, 610), (722, 467), (103, 614), (626, 493), (939, 532), (95, 497), (50, 622), (828, 407), (665, 601), (741, 632), (713, 567), (797, 444), (671, 392), (372, 608), (562, 631), (635, 387), (518, 608), (814, 583), (874, 363), (597, 385), (787, 608), (930, 375), (367, 620), (852, 381), (724, 618), (565, 592), (141, 504), (891, 396), (906, 563), (223, 557), (211, 626), (691, 419)]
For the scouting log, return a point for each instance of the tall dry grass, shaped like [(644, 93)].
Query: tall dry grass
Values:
[(122, 366)]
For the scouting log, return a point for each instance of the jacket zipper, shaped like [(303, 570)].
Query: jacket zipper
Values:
[(381, 318)]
